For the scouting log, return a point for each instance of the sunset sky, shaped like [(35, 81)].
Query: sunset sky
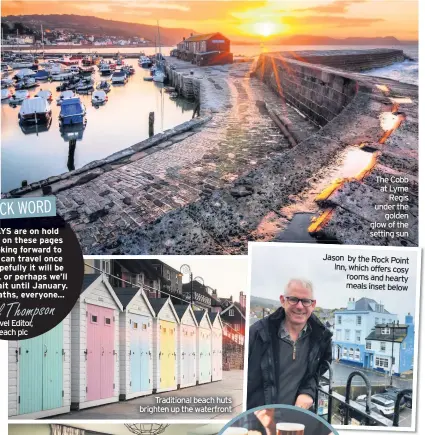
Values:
[(248, 19)]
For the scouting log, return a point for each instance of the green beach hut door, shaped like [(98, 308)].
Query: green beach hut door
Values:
[(40, 372)]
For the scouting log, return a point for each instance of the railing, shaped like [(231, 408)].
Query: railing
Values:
[(348, 409)]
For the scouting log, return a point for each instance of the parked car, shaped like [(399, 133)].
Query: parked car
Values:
[(406, 400), (384, 404), (363, 420)]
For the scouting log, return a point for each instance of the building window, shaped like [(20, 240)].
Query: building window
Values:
[(385, 331), (351, 352), (338, 320), (338, 334), (231, 312), (347, 335), (358, 336), (168, 275), (344, 351), (376, 320), (383, 346), (381, 362), (368, 345), (357, 354), (359, 320)]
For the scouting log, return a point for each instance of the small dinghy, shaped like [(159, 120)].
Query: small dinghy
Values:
[(84, 87), (103, 86), (5, 94), (35, 111), (72, 112), (99, 97), (47, 95), (26, 83), (65, 95), (148, 79), (42, 75), (119, 77), (19, 96)]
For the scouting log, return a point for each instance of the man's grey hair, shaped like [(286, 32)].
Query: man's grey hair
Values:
[(303, 282)]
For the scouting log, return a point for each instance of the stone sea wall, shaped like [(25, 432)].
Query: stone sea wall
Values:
[(317, 93)]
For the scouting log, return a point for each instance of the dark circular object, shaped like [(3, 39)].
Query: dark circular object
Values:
[(37, 289)]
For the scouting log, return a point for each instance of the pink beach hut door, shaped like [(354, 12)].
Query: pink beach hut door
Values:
[(100, 357)]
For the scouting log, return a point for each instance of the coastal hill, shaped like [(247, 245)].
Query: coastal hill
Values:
[(326, 40), (98, 27)]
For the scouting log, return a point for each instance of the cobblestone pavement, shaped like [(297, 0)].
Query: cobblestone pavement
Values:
[(230, 387), (240, 136)]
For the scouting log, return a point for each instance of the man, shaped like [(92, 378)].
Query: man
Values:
[(288, 350)]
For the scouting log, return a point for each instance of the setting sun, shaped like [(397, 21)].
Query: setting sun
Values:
[(265, 29)]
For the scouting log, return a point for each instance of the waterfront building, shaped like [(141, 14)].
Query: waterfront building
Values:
[(390, 346), (353, 325)]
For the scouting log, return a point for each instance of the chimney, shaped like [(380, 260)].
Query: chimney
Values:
[(242, 299), (351, 304), (231, 298)]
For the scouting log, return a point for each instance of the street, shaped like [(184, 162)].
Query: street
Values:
[(230, 387), (340, 376)]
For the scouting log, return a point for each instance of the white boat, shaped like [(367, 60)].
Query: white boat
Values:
[(103, 86), (74, 68), (47, 95), (159, 76), (63, 76), (99, 97), (18, 65), (26, 83), (34, 111), (65, 95), (105, 69), (23, 73), (19, 96), (5, 83), (6, 68), (5, 94), (144, 62), (119, 77)]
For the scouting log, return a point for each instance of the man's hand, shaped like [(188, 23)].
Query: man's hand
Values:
[(304, 401), (266, 417)]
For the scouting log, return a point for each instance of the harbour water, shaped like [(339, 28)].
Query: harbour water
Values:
[(120, 123), (123, 121)]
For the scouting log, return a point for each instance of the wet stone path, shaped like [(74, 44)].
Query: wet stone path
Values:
[(127, 199)]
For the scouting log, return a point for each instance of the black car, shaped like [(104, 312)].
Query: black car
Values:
[(405, 401)]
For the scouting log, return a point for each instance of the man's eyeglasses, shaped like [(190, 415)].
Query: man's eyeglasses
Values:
[(294, 301)]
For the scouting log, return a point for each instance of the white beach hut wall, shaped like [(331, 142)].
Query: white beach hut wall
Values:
[(164, 345), (136, 343), (186, 364), (204, 333), (216, 347), (40, 374)]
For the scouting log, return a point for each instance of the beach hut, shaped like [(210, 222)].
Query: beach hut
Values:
[(164, 345), (40, 374), (216, 347), (136, 343), (186, 363), (95, 344), (203, 340)]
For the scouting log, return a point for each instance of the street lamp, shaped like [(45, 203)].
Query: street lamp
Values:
[(185, 270), (392, 354), (200, 280)]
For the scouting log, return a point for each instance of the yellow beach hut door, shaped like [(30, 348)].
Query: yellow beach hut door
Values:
[(167, 354)]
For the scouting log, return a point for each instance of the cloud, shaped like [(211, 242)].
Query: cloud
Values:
[(331, 21), (94, 7), (158, 5), (336, 7)]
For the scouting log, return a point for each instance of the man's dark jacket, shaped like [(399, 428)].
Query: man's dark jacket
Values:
[(263, 359)]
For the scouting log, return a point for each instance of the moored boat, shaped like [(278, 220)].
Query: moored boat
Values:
[(65, 95), (105, 69), (103, 86), (35, 110), (42, 75), (26, 72), (19, 96), (119, 77), (26, 83), (47, 95), (5, 94), (144, 62), (99, 97), (72, 112)]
